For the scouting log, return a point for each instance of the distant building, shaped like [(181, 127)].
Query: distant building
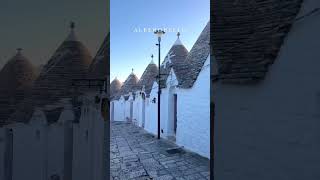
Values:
[(121, 105)]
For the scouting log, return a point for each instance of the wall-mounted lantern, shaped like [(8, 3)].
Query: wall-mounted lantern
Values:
[(154, 100)]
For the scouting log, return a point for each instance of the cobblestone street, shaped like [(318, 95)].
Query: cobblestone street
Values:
[(136, 154)]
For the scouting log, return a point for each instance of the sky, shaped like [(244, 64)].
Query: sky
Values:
[(131, 45), (40, 26)]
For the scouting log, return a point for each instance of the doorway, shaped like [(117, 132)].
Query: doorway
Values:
[(143, 109), (175, 111)]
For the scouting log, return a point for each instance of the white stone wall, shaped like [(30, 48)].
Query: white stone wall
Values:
[(88, 144), (29, 145), (164, 112), (127, 110), (55, 150), (2, 152), (151, 122), (119, 111), (41, 150), (136, 109), (271, 130), (193, 125)]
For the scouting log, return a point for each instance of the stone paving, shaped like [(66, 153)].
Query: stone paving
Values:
[(136, 154)]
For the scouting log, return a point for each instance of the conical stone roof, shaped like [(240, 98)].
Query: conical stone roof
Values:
[(174, 59), (196, 59), (99, 69), (115, 87), (148, 77), (248, 35), (70, 61), (16, 79), (130, 85)]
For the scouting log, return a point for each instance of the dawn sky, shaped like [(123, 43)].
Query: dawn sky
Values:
[(40, 26), (132, 49)]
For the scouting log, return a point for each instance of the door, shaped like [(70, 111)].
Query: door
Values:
[(143, 109), (175, 110)]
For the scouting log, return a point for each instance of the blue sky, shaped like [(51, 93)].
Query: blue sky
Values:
[(132, 49)]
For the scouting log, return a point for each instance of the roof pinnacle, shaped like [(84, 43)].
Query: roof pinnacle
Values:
[(72, 25), (152, 62), (19, 50), (72, 35), (178, 42)]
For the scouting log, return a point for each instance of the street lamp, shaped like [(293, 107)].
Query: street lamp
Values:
[(159, 33)]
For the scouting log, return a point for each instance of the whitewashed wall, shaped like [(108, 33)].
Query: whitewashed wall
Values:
[(151, 122), (193, 125), (135, 110), (41, 150), (271, 130), (88, 144), (29, 146), (2, 152), (172, 82), (141, 103), (119, 110), (81, 147), (127, 110), (56, 150), (163, 112)]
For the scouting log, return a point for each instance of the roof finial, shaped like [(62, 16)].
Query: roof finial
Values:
[(151, 59), (178, 42), (19, 50), (72, 25), (132, 71)]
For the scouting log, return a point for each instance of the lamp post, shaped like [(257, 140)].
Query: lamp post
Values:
[(159, 33)]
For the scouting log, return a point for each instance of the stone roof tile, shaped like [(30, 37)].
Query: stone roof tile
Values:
[(195, 59), (248, 36)]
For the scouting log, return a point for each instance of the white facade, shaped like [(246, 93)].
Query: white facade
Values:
[(38, 150), (271, 130), (167, 106), (3, 140), (117, 110), (139, 108), (89, 144), (193, 131), (151, 120)]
